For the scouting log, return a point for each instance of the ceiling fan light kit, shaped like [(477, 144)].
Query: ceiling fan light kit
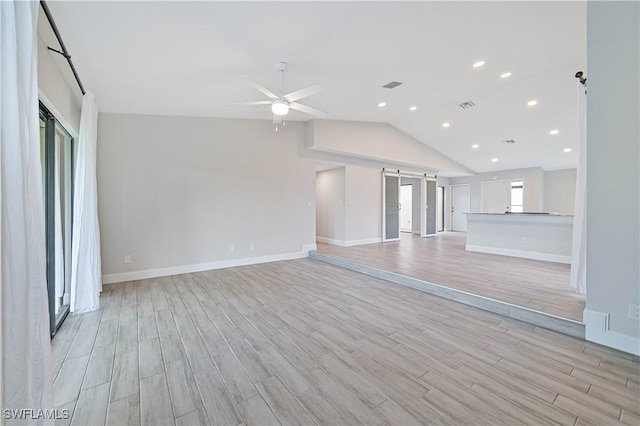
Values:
[(280, 107), (281, 103)]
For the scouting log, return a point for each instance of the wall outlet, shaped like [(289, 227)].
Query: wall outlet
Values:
[(523, 240), (127, 258), (634, 312), (252, 247), (232, 248)]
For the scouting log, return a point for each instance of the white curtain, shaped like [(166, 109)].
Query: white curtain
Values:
[(26, 346), (578, 279), (86, 271)]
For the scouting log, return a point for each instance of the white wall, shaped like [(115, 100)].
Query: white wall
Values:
[(364, 204), (533, 187), (177, 191), (377, 142), (330, 208), (613, 176), (64, 101), (348, 205), (560, 191)]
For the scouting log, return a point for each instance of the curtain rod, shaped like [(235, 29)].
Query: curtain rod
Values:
[(64, 51)]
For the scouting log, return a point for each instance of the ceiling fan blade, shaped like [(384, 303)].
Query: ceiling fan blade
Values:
[(303, 93), (268, 93), (251, 103), (307, 109)]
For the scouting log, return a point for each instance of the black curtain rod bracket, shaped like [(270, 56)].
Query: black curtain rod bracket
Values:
[(64, 51), (59, 51)]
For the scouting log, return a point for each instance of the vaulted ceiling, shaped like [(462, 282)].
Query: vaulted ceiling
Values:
[(186, 58)]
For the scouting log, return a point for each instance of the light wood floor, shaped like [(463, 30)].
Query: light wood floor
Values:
[(534, 284), (302, 342)]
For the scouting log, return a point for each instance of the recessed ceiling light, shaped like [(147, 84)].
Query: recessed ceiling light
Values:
[(445, 125), (382, 104), (478, 64), (505, 75), (567, 150), (413, 108), (494, 160), (475, 146), (553, 132), (532, 103)]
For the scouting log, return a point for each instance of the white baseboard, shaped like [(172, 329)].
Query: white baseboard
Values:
[(362, 242), (558, 258), (350, 243), (597, 331), (186, 269), (330, 241), (309, 247)]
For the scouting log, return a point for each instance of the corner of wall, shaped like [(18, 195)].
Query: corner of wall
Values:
[(597, 331)]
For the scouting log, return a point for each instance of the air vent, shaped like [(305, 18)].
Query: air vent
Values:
[(509, 141), (392, 85), (467, 105)]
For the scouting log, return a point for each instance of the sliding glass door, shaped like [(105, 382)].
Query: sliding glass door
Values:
[(57, 158)]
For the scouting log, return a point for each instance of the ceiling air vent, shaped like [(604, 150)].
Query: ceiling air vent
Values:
[(467, 105), (509, 141), (392, 85)]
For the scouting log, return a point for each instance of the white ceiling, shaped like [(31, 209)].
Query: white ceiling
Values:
[(186, 58)]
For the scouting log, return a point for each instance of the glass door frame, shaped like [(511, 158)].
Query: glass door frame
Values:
[(51, 126)]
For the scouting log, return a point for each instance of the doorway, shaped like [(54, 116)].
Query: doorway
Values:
[(440, 208), (406, 208), (460, 206)]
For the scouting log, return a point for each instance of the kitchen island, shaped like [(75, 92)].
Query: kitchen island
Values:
[(540, 236)]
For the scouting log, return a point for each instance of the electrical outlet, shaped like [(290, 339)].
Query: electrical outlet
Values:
[(634, 311), (252, 247), (127, 258), (523, 240), (232, 248)]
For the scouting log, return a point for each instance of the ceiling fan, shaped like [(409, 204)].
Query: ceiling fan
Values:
[(281, 102)]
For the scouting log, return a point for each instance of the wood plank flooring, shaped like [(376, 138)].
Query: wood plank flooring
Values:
[(302, 342), (442, 260)]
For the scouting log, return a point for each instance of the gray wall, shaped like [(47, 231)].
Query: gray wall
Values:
[(560, 191), (613, 154), (177, 191), (330, 209)]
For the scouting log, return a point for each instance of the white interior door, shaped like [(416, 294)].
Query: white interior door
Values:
[(390, 207), (460, 206), (406, 207), (496, 196)]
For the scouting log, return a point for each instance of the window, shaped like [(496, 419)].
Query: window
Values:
[(57, 159), (517, 196)]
